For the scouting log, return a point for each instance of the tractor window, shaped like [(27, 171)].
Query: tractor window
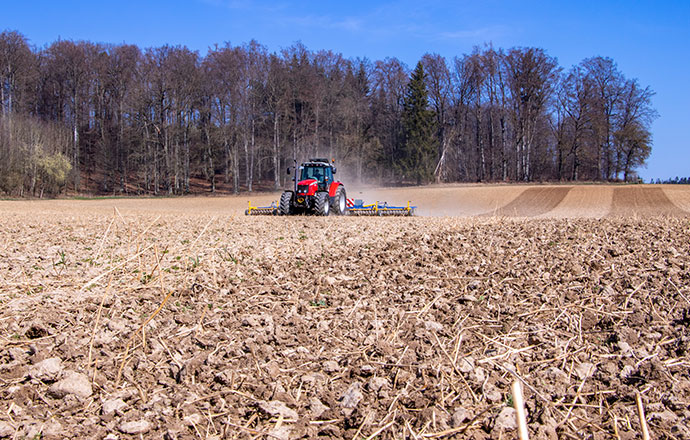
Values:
[(318, 173)]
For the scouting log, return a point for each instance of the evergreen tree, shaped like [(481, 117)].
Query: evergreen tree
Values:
[(418, 153)]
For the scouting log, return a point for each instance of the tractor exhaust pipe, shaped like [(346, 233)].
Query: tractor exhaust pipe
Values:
[(294, 179)]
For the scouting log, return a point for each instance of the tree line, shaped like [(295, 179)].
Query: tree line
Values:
[(166, 120), (673, 181)]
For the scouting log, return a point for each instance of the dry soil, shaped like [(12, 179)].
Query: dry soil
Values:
[(182, 318)]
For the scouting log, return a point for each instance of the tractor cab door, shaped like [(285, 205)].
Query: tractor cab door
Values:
[(328, 178)]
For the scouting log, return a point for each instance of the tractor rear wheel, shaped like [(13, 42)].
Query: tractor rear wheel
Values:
[(338, 204), (322, 204), (285, 207)]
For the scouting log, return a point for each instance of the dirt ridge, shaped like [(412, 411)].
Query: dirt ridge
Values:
[(643, 201), (533, 202)]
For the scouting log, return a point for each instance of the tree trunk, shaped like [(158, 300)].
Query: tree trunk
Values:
[(211, 165), (315, 147), (528, 155), (75, 152), (226, 158), (491, 144), (252, 154), (186, 172), (120, 147), (504, 152), (276, 149), (245, 144), (481, 171), (235, 168)]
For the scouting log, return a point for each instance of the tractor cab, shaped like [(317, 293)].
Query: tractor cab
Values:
[(322, 173)]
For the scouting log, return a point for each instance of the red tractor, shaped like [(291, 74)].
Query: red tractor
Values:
[(315, 190)]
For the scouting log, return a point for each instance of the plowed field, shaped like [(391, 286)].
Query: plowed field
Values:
[(182, 318)]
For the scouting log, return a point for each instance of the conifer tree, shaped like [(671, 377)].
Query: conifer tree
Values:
[(419, 149)]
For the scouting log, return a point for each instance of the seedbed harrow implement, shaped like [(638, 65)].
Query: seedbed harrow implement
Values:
[(358, 207), (261, 210)]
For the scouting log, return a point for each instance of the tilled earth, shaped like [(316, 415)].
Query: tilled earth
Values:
[(198, 326)]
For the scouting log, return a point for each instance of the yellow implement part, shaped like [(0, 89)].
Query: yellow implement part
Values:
[(261, 210)]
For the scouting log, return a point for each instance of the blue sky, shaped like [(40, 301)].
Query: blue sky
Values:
[(650, 40)]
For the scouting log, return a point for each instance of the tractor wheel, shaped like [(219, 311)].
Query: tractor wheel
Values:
[(285, 207), (322, 204), (338, 204)]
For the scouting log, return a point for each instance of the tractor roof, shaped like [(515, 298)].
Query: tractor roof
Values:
[(318, 161)]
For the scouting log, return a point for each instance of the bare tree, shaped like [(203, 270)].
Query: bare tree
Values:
[(225, 66), (167, 119), (276, 102), (16, 61), (359, 149), (390, 79), (123, 63), (608, 82), (68, 65), (632, 136), (575, 98), (440, 89), (531, 77)]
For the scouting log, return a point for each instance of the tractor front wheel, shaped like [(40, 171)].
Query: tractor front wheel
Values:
[(285, 206), (322, 204), (338, 204)]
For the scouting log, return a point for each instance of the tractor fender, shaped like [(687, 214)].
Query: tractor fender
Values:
[(333, 188)]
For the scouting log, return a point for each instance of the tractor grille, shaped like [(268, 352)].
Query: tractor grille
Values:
[(302, 188)]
